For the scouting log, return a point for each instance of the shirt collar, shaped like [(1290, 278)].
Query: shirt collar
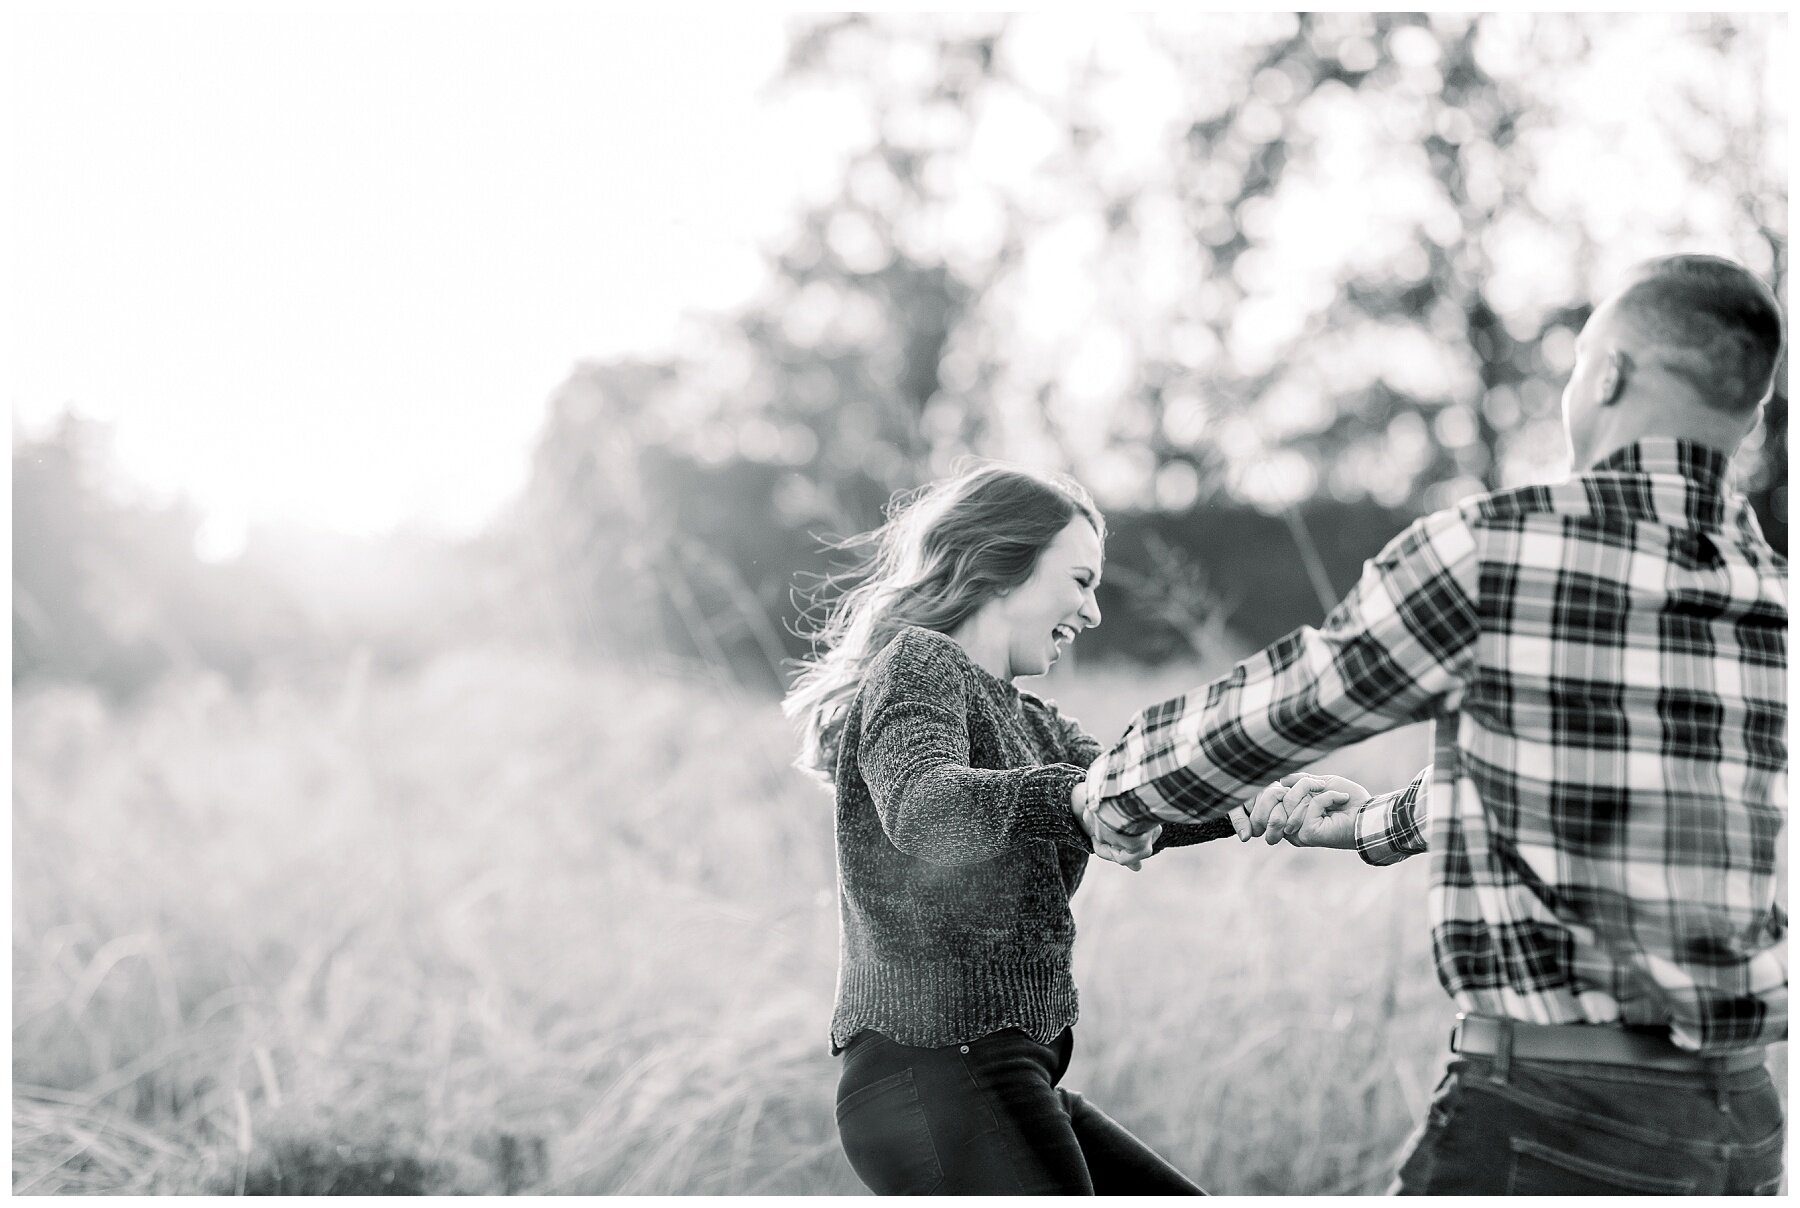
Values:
[(1687, 480), (1666, 455)]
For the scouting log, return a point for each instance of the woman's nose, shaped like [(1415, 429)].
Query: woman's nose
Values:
[(1090, 610)]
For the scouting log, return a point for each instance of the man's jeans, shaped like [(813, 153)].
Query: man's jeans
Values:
[(1569, 1128)]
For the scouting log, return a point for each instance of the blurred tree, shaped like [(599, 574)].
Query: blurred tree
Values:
[(1212, 336), (108, 588), (1208, 263), (1736, 135)]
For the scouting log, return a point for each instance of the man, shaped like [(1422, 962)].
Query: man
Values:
[(1605, 660)]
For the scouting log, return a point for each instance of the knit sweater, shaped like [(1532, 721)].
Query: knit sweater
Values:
[(957, 851)]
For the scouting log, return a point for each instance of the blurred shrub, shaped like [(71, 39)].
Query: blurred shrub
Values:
[(108, 590), (648, 548)]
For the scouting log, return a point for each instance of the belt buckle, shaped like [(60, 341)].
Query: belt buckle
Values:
[(1456, 1032)]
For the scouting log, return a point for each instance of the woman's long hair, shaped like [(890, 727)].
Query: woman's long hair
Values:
[(945, 550)]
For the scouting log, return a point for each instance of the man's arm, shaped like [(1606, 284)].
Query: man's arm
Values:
[(1081, 749), (1393, 652)]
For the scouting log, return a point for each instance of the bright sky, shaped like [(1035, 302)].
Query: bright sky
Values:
[(328, 264)]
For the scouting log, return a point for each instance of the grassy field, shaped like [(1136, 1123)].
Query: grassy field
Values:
[(508, 925)]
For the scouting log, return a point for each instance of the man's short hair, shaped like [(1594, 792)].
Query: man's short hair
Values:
[(1709, 321)]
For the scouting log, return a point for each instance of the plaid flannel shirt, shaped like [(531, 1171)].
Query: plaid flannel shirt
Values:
[(1605, 661)]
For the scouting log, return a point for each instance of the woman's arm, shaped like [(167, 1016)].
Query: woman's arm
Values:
[(913, 750)]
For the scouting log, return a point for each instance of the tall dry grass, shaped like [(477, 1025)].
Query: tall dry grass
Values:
[(509, 925)]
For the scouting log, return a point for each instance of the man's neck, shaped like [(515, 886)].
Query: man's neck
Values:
[(1686, 421)]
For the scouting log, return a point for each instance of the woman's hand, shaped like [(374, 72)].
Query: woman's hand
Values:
[(1306, 810)]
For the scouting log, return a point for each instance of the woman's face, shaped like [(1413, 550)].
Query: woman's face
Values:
[(1043, 614)]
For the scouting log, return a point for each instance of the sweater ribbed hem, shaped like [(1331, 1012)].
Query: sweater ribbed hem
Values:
[(933, 1004)]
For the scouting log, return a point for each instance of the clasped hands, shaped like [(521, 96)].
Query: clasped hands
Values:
[(1115, 845), (1305, 809)]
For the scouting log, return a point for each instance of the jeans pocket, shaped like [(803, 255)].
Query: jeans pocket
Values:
[(883, 1130), (1758, 1166), (1419, 1168), (1540, 1169), (866, 1036), (1443, 1099)]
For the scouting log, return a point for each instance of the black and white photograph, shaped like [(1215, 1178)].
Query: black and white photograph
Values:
[(724, 602)]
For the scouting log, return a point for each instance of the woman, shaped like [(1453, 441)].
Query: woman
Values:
[(957, 847)]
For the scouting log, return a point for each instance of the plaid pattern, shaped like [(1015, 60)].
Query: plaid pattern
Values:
[(1391, 828), (1605, 660)]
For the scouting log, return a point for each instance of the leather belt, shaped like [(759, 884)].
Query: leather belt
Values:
[(1485, 1036)]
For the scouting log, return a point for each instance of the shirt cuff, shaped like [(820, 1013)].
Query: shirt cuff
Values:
[(1123, 812), (1385, 830)]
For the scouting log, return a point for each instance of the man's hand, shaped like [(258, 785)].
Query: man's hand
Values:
[(1306, 810), (1120, 848)]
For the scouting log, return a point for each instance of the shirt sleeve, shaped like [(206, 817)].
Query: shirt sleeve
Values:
[(1394, 651), (913, 752), (1082, 749), (1391, 827)]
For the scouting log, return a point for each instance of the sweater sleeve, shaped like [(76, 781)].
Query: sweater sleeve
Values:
[(1186, 834), (1075, 744), (913, 750)]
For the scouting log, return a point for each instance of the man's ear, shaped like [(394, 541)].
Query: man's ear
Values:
[(1757, 415), (1614, 370)]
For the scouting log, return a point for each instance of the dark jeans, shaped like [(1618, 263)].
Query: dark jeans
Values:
[(1570, 1128), (985, 1118)]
